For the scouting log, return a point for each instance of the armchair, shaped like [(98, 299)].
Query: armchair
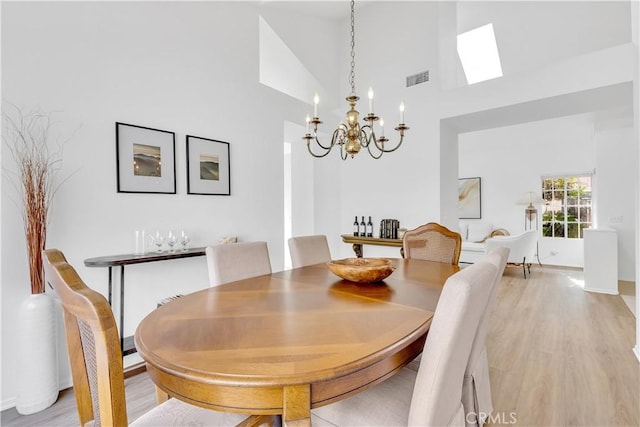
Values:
[(522, 248)]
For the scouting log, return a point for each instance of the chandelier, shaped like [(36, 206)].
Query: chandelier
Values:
[(351, 137)]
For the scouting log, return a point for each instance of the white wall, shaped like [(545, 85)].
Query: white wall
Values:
[(571, 28), (511, 161), (616, 187), (191, 68), (405, 184)]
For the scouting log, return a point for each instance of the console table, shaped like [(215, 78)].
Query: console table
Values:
[(358, 241), (111, 261)]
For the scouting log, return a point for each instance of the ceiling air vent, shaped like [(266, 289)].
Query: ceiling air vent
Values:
[(416, 79)]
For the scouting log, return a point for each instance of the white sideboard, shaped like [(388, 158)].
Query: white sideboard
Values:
[(601, 260)]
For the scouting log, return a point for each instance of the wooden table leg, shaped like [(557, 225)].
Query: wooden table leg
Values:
[(161, 396), (297, 406)]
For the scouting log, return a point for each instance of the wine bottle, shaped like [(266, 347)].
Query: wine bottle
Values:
[(356, 227), (363, 227), (369, 228)]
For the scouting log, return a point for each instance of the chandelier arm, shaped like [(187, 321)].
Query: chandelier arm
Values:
[(329, 147), (318, 156), (343, 153), (366, 139), (384, 150), (371, 152), (326, 148)]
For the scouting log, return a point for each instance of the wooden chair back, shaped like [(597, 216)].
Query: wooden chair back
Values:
[(93, 343), (432, 242)]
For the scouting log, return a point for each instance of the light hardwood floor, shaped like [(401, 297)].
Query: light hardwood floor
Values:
[(561, 356), (558, 356)]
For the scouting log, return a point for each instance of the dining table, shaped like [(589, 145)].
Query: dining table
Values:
[(284, 343)]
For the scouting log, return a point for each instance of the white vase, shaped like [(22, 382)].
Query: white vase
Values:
[(38, 385)]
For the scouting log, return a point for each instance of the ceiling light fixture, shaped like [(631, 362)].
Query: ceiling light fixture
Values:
[(351, 137)]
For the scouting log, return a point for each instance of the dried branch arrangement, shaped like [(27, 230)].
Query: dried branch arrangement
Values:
[(38, 160)]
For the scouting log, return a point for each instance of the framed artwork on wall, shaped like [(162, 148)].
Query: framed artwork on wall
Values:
[(469, 198), (208, 166), (145, 159)]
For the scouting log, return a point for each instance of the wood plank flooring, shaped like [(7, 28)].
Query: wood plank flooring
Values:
[(558, 356), (561, 356)]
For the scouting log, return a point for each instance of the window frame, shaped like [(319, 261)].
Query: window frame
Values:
[(572, 213)]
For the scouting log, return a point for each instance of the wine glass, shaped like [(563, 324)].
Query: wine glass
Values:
[(172, 239), (184, 240), (158, 240)]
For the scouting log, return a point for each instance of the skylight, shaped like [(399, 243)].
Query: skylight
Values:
[(479, 55)]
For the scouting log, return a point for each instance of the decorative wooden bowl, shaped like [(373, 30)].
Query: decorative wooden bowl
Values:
[(362, 270)]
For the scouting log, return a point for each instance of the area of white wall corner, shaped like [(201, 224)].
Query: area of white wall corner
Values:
[(557, 42), (616, 185), (635, 25), (403, 185), (180, 72), (511, 161)]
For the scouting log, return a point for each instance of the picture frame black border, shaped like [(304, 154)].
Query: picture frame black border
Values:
[(173, 146), (479, 197), (187, 138)]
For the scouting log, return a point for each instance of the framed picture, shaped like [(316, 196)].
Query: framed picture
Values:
[(145, 159), (469, 206), (208, 166)]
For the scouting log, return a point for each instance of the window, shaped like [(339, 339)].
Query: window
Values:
[(567, 208)]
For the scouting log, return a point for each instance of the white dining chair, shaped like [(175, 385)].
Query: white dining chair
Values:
[(476, 387), (237, 261), (433, 395), (309, 250), (96, 360)]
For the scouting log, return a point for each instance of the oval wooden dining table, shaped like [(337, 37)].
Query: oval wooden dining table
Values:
[(289, 341)]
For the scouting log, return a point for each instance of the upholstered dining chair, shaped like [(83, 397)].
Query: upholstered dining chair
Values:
[(433, 395), (237, 261), (476, 387), (432, 242), (308, 250), (96, 359)]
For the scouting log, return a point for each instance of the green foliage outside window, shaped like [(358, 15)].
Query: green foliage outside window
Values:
[(567, 209)]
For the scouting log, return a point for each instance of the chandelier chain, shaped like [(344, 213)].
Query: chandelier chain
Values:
[(352, 76), (350, 136)]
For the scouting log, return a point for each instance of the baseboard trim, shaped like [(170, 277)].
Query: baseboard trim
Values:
[(602, 291), (134, 370)]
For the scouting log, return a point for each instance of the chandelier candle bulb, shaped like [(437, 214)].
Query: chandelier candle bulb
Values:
[(381, 126), (370, 93), (401, 112), (316, 100), (308, 119)]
